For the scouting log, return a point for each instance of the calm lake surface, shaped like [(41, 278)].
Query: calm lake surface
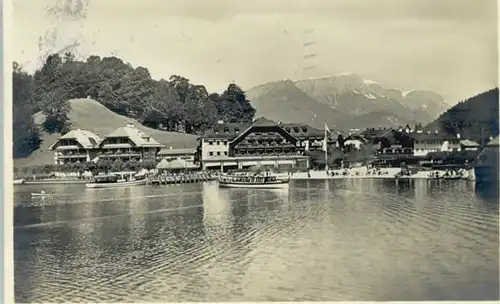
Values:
[(319, 240)]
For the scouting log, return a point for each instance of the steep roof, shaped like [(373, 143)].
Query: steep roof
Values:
[(436, 136), (85, 138), (138, 137), (225, 130)]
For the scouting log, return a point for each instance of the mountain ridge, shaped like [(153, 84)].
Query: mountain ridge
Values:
[(350, 96)]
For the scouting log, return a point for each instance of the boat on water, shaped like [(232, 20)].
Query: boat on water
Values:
[(19, 181), (261, 180), (115, 180), (40, 194), (486, 167)]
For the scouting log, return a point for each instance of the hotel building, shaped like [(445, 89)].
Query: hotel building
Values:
[(128, 143), (75, 146), (263, 143)]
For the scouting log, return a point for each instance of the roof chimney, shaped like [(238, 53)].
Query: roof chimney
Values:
[(130, 125), (220, 122), (458, 135), (436, 131)]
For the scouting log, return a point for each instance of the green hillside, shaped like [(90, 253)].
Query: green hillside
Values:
[(91, 115), (475, 118)]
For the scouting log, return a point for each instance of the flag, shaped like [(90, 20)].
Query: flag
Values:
[(325, 141), (326, 128)]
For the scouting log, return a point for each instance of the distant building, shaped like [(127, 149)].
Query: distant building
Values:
[(388, 141), (129, 143), (262, 143), (75, 146), (469, 145), (425, 142), (169, 154), (355, 140)]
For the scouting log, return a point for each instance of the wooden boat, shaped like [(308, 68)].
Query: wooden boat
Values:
[(265, 180), (115, 180), (40, 194)]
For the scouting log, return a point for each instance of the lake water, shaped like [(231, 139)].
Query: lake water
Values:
[(319, 240)]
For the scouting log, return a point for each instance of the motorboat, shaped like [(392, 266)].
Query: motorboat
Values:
[(261, 180), (19, 181), (114, 180)]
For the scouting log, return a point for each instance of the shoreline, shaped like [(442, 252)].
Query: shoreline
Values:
[(362, 173)]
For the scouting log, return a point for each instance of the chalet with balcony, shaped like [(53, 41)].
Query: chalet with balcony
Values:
[(129, 143), (263, 143), (75, 146)]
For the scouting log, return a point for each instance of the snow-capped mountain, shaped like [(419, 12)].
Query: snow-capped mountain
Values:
[(351, 96)]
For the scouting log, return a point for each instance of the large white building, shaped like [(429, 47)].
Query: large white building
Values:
[(425, 142), (262, 143)]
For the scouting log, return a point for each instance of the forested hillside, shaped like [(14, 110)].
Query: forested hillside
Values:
[(475, 118), (174, 105)]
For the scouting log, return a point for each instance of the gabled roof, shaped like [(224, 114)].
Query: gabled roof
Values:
[(233, 130), (87, 139), (138, 137), (436, 136), (375, 133), (225, 130)]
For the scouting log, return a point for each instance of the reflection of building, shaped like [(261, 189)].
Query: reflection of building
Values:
[(128, 143), (75, 146), (262, 143)]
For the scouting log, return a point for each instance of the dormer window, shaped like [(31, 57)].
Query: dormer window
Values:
[(287, 129), (296, 129), (216, 131), (237, 130), (304, 129)]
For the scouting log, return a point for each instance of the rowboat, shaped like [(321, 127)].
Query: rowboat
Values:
[(40, 194), (265, 180), (115, 180)]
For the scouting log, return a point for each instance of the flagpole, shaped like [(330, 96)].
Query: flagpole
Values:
[(326, 150)]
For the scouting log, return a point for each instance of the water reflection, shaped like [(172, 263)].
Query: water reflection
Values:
[(318, 240)]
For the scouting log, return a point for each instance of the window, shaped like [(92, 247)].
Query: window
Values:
[(225, 153), (210, 142), (211, 153), (218, 153), (218, 143), (225, 143)]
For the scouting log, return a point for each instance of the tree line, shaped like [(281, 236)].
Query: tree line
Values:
[(174, 105), (475, 118)]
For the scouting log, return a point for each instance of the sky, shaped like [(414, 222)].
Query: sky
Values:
[(446, 46)]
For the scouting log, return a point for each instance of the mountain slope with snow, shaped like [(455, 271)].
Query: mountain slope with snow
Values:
[(350, 96)]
